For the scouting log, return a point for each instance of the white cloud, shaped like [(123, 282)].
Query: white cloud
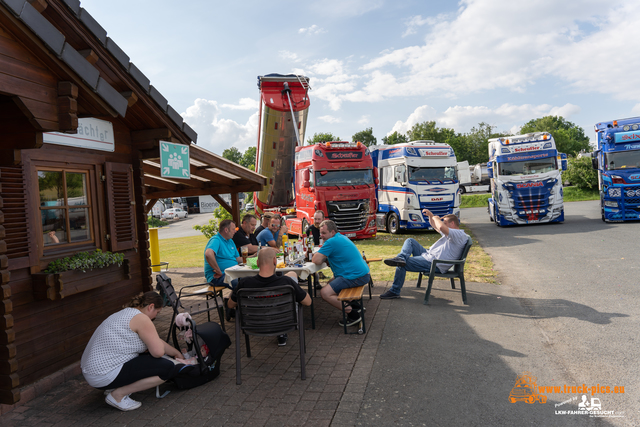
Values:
[(413, 23), (364, 120), (244, 104), (492, 44), (636, 110), (330, 119), (419, 115), (312, 30), (216, 133), (290, 56), (507, 117)]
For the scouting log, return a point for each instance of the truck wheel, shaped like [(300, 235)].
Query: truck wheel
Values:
[(305, 226), (393, 224), (186, 215), (462, 190)]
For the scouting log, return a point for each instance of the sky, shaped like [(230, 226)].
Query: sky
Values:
[(384, 64)]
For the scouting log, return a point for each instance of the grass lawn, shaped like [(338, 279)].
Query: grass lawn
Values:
[(189, 252)]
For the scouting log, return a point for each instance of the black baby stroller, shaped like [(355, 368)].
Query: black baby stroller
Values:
[(205, 343)]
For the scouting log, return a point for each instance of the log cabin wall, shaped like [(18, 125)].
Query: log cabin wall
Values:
[(57, 66)]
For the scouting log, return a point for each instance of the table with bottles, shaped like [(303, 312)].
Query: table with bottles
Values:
[(290, 260)]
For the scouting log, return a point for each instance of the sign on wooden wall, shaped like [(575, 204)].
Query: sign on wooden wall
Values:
[(174, 160), (94, 134)]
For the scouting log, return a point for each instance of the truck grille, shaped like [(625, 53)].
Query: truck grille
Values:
[(349, 215), (440, 209), (631, 195)]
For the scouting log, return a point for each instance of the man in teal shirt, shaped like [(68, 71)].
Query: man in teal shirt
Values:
[(221, 253), (348, 267)]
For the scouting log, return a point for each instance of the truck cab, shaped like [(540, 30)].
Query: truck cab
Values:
[(526, 182), (617, 160), (337, 178), (412, 177)]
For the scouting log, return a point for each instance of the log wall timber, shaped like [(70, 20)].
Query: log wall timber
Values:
[(143, 227), (9, 379), (33, 86)]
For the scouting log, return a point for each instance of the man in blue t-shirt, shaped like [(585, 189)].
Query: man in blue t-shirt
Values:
[(348, 267), (221, 253), (272, 236)]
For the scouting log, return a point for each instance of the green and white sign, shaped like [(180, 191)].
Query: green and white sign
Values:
[(174, 160)]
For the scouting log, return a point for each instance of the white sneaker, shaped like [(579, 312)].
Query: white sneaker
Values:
[(126, 404)]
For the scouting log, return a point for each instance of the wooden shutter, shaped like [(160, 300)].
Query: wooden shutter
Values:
[(15, 212), (121, 206)]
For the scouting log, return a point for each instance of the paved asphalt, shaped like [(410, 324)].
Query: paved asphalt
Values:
[(184, 227), (566, 310)]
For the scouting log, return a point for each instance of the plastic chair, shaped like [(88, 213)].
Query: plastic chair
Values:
[(267, 312), (166, 289), (457, 270)]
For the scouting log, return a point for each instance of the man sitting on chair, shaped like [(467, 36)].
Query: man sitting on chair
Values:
[(267, 277), (413, 257)]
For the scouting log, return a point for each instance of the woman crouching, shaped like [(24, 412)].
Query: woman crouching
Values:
[(125, 353)]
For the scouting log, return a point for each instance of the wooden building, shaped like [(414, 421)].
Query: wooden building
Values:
[(58, 68)]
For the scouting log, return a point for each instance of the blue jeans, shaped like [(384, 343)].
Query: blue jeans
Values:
[(220, 282), (339, 283), (412, 254)]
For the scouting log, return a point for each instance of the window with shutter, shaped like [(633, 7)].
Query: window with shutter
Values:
[(121, 206), (14, 208)]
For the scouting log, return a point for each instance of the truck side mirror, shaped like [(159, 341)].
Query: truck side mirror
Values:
[(489, 170), (375, 173), (594, 162), (305, 175), (305, 184)]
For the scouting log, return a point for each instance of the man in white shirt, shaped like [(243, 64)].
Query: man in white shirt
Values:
[(413, 257)]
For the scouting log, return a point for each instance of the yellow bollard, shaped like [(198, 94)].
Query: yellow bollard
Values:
[(154, 249)]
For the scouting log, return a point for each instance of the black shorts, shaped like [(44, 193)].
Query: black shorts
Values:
[(144, 366)]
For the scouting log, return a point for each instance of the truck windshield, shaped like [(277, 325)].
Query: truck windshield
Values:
[(622, 160), (528, 167), (445, 173), (344, 177)]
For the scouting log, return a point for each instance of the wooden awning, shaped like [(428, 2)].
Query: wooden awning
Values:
[(211, 174)]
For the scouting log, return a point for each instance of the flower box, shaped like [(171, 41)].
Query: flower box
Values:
[(54, 286)]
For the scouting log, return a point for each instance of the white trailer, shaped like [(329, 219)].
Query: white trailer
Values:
[(470, 178)]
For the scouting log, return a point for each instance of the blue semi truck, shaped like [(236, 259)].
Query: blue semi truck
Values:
[(617, 159), (526, 179)]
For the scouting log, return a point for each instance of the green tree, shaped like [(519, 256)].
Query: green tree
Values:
[(569, 137), (394, 138), (366, 137), (232, 154), (430, 132), (249, 158), (477, 142), (581, 174), (322, 137)]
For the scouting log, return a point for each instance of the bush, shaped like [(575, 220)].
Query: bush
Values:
[(581, 174), (219, 214), (154, 222)]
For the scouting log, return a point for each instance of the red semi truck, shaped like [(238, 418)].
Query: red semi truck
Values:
[(337, 178)]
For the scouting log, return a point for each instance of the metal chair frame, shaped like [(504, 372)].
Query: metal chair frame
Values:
[(269, 311), (457, 271)]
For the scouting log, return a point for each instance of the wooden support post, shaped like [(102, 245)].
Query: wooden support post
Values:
[(235, 208)]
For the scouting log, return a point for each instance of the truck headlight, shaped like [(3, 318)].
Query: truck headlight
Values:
[(415, 217), (615, 192), (610, 204)]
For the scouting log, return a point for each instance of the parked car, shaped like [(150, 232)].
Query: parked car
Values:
[(249, 207), (174, 213)]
